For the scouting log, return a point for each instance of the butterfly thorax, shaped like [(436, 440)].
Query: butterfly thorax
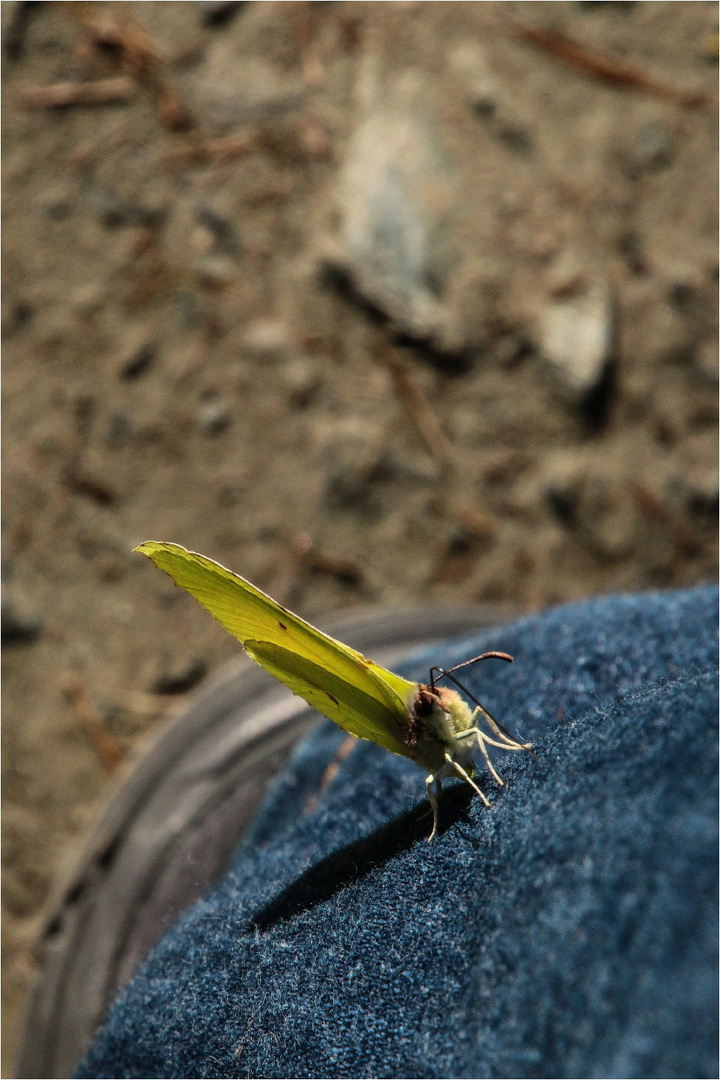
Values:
[(435, 720)]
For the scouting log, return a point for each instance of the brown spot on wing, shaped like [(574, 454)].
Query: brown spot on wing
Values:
[(282, 625)]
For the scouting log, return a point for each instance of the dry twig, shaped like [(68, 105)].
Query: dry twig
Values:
[(605, 67), (330, 773), (478, 526), (138, 55), (14, 33), (61, 95), (420, 412), (211, 151), (105, 745), (144, 704)]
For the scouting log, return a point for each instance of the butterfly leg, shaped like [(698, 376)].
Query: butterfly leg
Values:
[(433, 801), (486, 757), (506, 742), (494, 742), (461, 772), (481, 738)]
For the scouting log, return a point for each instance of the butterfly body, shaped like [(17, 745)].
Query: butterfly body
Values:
[(429, 724), (435, 720)]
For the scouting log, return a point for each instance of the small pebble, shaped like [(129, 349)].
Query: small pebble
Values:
[(709, 48), (392, 467), (213, 416), (591, 507), (217, 13), (20, 625), (190, 310), (301, 380), (695, 493), (215, 271), (57, 203), (348, 477), (706, 360), (110, 566), (88, 299), (221, 229), (562, 498), (652, 148), (511, 350), (490, 100), (268, 339), (116, 213), (576, 338), (201, 240), (512, 131), (20, 315), (458, 541), (383, 255), (138, 361), (118, 431), (483, 90), (183, 677), (229, 95)]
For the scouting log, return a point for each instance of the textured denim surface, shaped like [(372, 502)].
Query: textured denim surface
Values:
[(568, 931)]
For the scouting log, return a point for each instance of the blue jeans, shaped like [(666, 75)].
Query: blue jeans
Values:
[(567, 931)]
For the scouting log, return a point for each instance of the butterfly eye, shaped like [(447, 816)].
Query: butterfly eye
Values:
[(424, 702)]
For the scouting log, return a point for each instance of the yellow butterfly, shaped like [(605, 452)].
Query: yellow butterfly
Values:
[(429, 724)]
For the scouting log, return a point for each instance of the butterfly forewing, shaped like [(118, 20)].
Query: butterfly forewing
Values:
[(360, 696)]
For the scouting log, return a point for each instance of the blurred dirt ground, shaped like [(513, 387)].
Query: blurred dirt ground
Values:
[(374, 303)]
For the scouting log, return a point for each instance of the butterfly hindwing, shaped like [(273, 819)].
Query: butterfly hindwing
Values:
[(348, 705)]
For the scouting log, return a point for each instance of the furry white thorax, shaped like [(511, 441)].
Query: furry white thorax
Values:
[(457, 714)]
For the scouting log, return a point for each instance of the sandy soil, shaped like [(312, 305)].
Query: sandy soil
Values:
[(374, 303)]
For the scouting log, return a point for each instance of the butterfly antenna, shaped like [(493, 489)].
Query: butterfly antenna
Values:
[(448, 673), (472, 697), (466, 663)]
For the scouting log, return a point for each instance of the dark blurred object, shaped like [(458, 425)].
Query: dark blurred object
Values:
[(217, 13), (20, 625), (139, 361), (183, 677), (18, 19), (651, 150)]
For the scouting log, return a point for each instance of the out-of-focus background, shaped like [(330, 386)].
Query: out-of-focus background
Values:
[(373, 303)]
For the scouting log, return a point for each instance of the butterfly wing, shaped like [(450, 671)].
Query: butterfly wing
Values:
[(358, 695), (350, 705)]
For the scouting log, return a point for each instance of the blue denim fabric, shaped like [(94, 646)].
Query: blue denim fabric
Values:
[(568, 931)]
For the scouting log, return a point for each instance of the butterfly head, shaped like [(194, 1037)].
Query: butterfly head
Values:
[(436, 717)]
